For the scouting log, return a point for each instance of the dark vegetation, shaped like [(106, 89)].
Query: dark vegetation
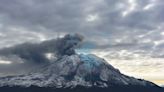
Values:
[(82, 89)]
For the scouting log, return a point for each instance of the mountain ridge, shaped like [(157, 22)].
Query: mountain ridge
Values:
[(75, 70), (77, 73)]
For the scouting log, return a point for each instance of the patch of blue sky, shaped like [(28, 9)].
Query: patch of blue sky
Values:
[(83, 51)]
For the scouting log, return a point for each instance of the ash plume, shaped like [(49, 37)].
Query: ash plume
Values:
[(68, 44), (36, 52)]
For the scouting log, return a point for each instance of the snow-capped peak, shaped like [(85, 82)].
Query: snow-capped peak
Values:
[(75, 70)]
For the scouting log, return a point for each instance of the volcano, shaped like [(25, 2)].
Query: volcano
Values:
[(76, 73)]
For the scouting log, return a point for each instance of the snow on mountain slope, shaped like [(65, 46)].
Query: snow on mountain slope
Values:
[(75, 70)]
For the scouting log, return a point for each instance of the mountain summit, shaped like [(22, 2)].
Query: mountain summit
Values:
[(86, 71), (67, 71)]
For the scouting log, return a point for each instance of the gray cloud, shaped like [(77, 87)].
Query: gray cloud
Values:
[(124, 24), (128, 33)]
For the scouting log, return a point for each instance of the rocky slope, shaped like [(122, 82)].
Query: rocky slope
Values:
[(75, 70)]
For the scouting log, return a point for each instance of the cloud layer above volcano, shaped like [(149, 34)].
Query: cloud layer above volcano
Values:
[(128, 29)]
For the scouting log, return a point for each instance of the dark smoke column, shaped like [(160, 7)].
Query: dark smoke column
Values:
[(36, 52), (68, 44)]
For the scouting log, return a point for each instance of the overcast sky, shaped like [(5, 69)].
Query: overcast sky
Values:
[(128, 33)]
